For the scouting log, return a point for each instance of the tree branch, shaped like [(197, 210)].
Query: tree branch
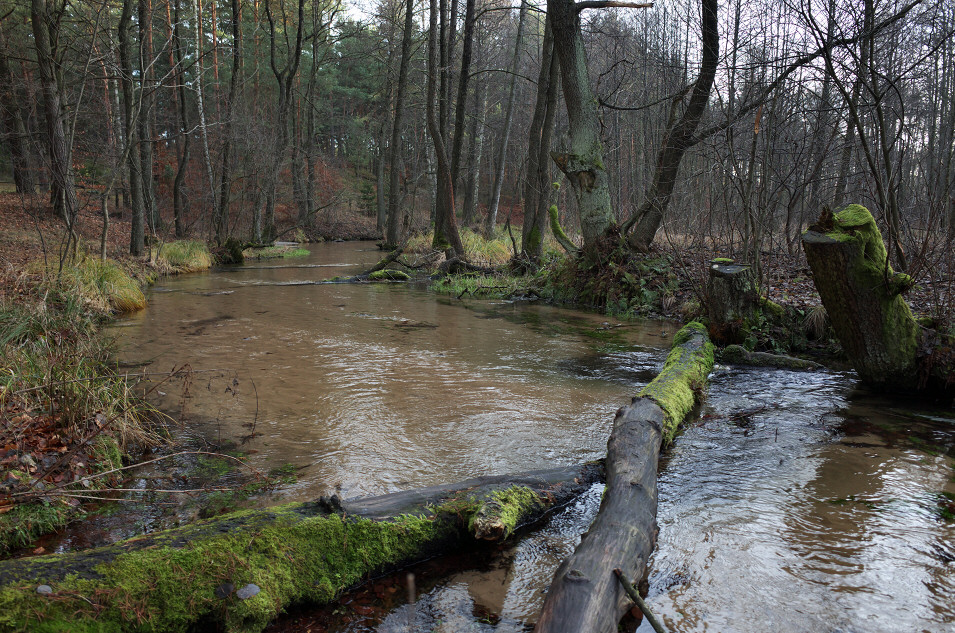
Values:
[(610, 4)]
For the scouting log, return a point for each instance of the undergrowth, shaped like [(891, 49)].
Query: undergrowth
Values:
[(479, 250), (274, 252), (613, 278), (65, 410)]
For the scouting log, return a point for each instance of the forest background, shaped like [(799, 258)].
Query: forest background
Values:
[(253, 118)]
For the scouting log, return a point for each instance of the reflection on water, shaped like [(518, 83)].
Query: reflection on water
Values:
[(376, 388), (791, 505), (791, 508)]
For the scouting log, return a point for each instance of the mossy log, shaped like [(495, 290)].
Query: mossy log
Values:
[(739, 355), (585, 596), (384, 262), (238, 571), (863, 297)]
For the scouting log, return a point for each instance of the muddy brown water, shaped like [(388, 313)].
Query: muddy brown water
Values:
[(793, 503)]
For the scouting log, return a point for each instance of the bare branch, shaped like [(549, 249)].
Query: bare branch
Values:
[(611, 4)]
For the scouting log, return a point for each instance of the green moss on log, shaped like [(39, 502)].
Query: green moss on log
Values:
[(389, 275), (168, 587), (188, 578), (501, 515), (684, 374), (861, 294)]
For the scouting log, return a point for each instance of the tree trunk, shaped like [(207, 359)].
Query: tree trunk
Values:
[(43, 22), (583, 162), (14, 129), (501, 160), (185, 578), (463, 80), (144, 121), (137, 235), (678, 137), (585, 596), (537, 185), (472, 182), (863, 297), (201, 111), (178, 205), (392, 236), (285, 80), (225, 177), (446, 236)]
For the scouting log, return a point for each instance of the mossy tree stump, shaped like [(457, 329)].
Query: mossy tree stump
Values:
[(863, 297)]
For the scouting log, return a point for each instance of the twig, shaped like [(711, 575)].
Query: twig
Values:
[(137, 465), (635, 596), (511, 233)]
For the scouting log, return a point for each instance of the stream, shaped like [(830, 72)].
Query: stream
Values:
[(793, 503)]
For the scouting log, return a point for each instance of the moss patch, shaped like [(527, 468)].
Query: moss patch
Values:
[(183, 579), (389, 275), (684, 375), (500, 516)]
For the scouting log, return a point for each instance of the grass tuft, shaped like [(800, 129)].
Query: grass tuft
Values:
[(275, 252), (184, 256)]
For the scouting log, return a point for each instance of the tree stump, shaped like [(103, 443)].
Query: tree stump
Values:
[(731, 292), (863, 297)]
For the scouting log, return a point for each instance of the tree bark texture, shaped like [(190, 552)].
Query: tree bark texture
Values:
[(863, 297), (42, 23), (585, 596), (583, 162), (187, 578)]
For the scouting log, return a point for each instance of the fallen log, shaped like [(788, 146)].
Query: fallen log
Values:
[(739, 355), (238, 571), (585, 596)]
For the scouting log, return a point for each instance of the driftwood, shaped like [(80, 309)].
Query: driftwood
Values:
[(384, 261), (585, 596), (238, 571)]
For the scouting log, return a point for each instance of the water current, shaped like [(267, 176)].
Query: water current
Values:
[(793, 503)]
